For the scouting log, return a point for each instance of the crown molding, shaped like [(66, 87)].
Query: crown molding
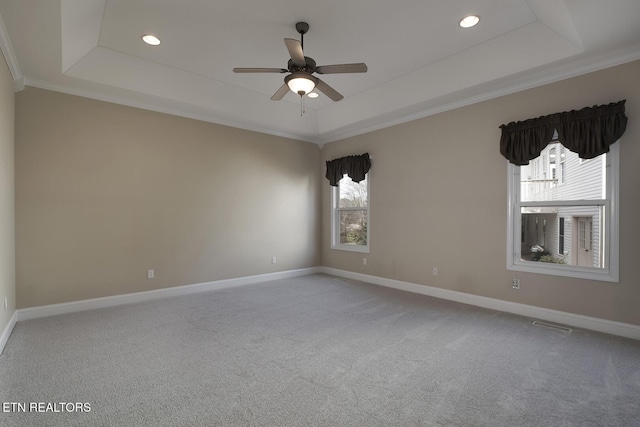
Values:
[(10, 57), (158, 107), (562, 70)]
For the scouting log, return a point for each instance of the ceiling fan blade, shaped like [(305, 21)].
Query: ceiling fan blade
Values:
[(342, 68), (280, 93), (295, 51), (328, 90), (260, 70)]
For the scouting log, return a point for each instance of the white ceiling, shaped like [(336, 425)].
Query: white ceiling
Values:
[(420, 61)]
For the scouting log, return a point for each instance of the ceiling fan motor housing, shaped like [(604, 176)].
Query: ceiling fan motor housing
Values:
[(309, 67)]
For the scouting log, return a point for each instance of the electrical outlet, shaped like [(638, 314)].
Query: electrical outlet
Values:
[(515, 283), (364, 261), (274, 260), (151, 274), (435, 271)]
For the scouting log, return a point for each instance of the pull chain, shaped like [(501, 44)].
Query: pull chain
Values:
[(302, 110)]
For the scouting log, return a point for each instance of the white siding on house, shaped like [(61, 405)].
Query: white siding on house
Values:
[(583, 179), (560, 175)]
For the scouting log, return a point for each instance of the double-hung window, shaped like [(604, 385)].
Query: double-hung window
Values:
[(564, 222), (350, 215), (569, 229)]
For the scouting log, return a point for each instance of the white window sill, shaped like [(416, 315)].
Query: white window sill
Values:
[(598, 274), (352, 248)]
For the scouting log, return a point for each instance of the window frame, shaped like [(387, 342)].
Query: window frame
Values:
[(335, 219), (610, 230)]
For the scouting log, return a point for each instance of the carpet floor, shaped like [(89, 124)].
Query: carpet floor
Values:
[(313, 351)]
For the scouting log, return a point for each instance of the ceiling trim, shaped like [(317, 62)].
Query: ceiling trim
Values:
[(558, 18), (84, 48), (575, 65), (520, 82), (10, 58), (506, 86), (155, 106), (81, 21)]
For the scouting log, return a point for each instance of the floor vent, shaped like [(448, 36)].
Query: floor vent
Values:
[(551, 326)]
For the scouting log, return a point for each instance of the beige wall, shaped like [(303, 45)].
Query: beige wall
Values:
[(7, 241), (439, 199), (105, 192)]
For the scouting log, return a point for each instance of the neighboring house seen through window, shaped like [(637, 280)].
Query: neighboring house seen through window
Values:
[(563, 214)]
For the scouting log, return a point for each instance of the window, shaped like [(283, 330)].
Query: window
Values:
[(350, 219), (567, 230)]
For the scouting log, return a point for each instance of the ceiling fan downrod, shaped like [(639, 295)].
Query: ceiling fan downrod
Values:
[(302, 28)]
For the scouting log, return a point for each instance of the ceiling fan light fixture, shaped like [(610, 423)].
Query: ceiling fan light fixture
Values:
[(300, 83), (469, 21), (150, 39), (313, 95)]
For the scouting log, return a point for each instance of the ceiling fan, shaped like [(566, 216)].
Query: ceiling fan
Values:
[(301, 80)]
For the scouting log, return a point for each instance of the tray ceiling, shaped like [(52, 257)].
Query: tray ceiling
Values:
[(420, 61)]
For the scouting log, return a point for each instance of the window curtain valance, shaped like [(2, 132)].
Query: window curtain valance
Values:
[(354, 166), (588, 132)]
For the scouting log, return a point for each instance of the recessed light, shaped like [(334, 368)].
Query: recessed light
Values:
[(469, 21), (312, 95), (151, 39)]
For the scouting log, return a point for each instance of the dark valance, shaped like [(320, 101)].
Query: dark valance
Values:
[(588, 132), (354, 166)]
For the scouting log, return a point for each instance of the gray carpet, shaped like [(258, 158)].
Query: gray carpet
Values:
[(316, 351)]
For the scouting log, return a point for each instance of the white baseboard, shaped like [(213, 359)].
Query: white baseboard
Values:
[(576, 320), (94, 303), (7, 331)]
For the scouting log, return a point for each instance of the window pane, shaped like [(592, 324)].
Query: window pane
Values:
[(580, 179), (561, 236), (353, 227), (552, 165), (352, 194), (570, 235), (349, 221)]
